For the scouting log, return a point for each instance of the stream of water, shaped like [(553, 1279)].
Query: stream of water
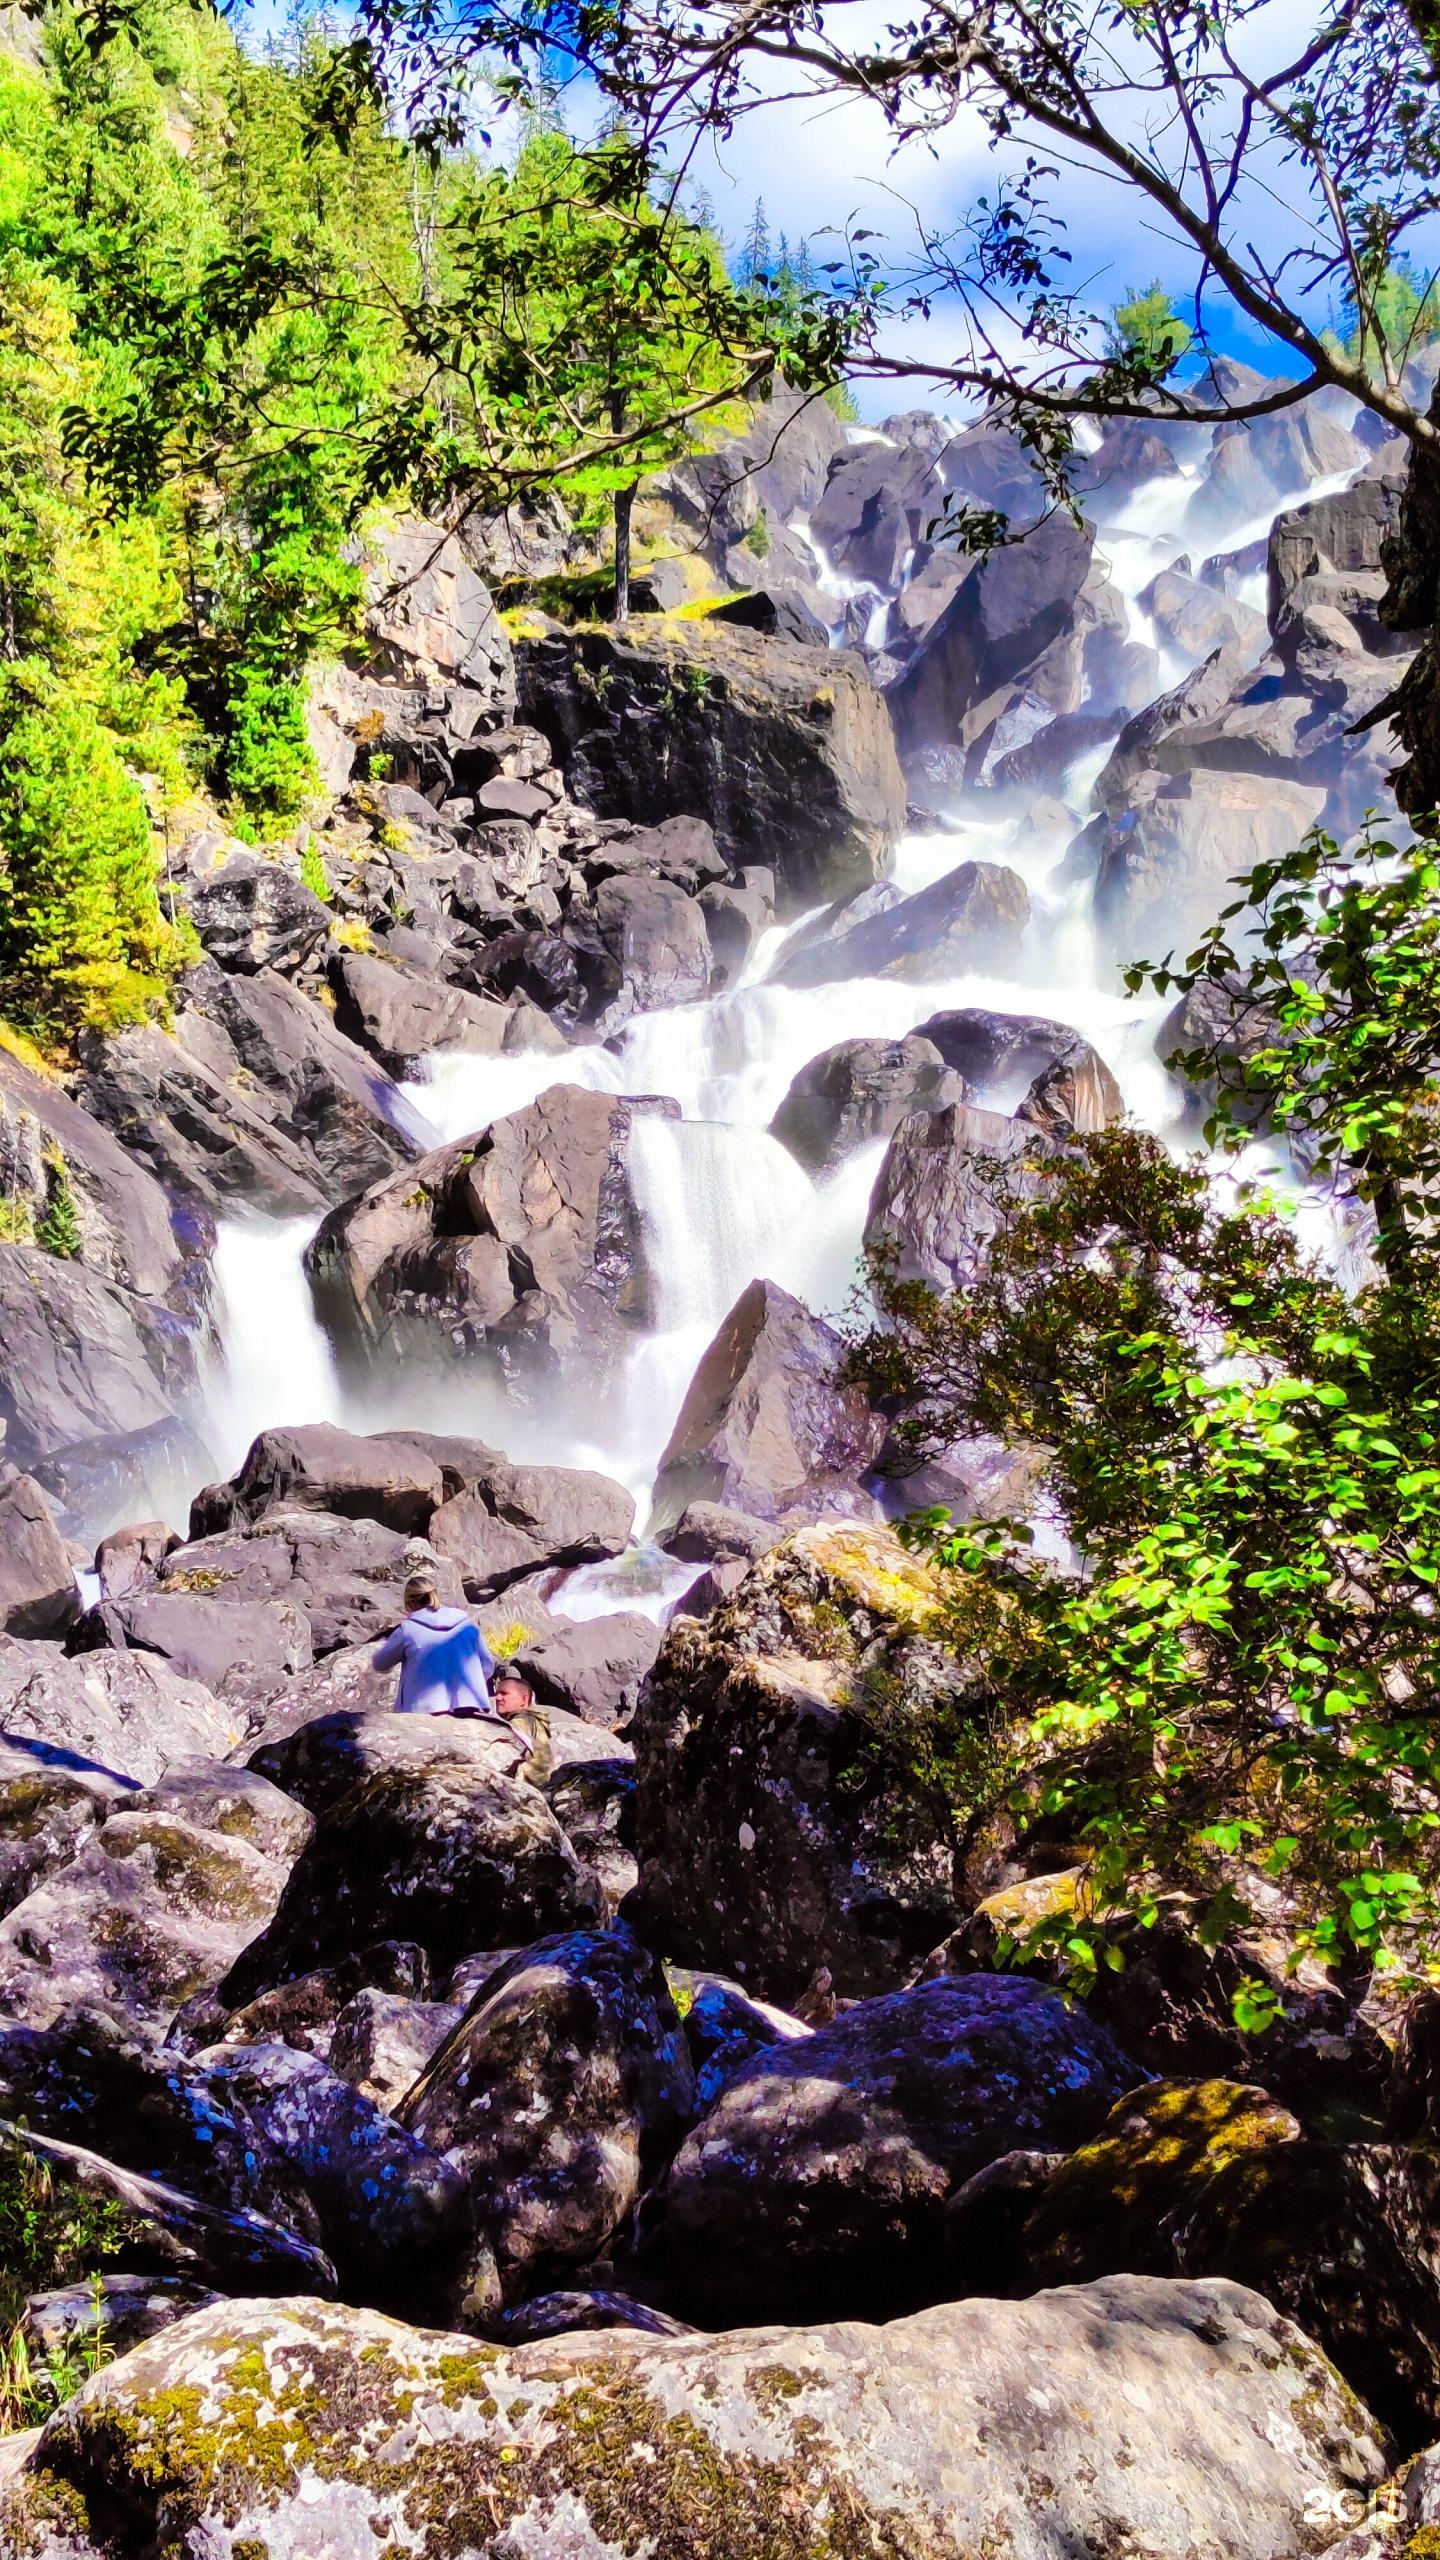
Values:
[(720, 1201)]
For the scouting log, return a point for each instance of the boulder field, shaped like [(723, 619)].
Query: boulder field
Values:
[(628, 2143)]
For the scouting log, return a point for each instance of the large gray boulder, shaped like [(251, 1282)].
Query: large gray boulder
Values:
[(1213, 2178), (122, 1217), (1160, 734), (506, 1521), (100, 1484), (767, 1425), (1254, 461), (933, 1208), (523, 1242), (660, 942), (1131, 2415), (1329, 552), (322, 1759), (126, 1715), (358, 1476), (1169, 863), (591, 1668), (786, 751), (256, 1603), (1198, 619), (456, 1859), (152, 1909), (777, 1837), (46, 1812), (969, 921), (400, 1016), (858, 1091), (1001, 1056), (38, 1596), (566, 2083), (815, 2185), (254, 914), (79, 1357)]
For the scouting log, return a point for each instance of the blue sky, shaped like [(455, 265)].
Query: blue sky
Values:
[(821, 164)]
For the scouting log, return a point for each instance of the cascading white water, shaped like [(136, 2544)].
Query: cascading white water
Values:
[(277, 1367)]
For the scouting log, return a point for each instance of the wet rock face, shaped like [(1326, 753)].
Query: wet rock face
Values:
[(977, 655), (858, 1091), (104, 1483), (523, 1242), (815, 2185), (1000, 1055), (786, 751), (125, 1230), (401, 1016), (79, 1357), (660, 944), (767, 1426), (566, 2083), (776, 1835), (255, 1100), (971, 920), (455, 1859), (1168, 2417), (1167, 862)]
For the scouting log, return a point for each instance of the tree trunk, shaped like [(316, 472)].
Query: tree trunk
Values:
[(624, 501)]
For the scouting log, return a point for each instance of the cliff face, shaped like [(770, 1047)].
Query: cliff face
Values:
[(1412, 563)]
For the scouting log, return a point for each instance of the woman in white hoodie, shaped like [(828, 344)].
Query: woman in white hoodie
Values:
[(445, 1663)]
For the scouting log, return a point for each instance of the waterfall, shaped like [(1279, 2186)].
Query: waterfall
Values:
[(721, 1202), (276, 1366)]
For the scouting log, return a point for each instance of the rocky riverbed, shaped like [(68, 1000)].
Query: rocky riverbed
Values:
[(618, 2137)]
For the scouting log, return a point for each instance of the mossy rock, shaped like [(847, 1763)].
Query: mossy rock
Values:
[(870, 1568), (1111, 2207), (256, 2428)]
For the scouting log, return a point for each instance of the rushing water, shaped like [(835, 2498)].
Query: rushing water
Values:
[(720, 1201)]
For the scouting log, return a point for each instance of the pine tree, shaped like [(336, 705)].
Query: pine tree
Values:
[(753, 263)]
